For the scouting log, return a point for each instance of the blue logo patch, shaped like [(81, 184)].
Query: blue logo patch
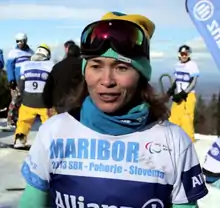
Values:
[(119, 14)]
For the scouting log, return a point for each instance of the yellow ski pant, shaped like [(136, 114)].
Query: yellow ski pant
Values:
[(182, 114), (26, 118)]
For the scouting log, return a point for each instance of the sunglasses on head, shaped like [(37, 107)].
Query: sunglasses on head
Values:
[(126, 38)]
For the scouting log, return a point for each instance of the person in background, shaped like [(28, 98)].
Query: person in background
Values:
[(211, 166), (33, 76), (63, 79), (5, 94), (183, 91), (16, 57), (66, 46), (2, 62), (121, 151)]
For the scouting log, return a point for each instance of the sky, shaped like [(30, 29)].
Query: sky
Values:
[(55, 21)]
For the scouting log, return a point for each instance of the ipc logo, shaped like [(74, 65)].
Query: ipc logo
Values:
[(203, 10)]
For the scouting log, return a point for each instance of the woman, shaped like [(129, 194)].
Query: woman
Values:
[(114, 148)]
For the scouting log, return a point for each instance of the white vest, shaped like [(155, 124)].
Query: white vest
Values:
[(183, 74), (212, 160), (83, 168), (35, 74)]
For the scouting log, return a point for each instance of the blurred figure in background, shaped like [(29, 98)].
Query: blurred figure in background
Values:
[(2, 63), (66, 46), (17, 56), (183, 91), (211, 166), (5, 95), (33, 76), (64, 78)]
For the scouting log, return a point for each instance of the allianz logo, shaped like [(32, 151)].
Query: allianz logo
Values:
[(71, 201), (32, 74)]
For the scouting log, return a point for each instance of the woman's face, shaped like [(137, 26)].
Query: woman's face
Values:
[(111, 83)]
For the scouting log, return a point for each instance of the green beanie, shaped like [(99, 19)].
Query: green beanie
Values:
[(141, 64)]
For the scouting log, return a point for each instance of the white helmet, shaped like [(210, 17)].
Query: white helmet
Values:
[(21, 36)]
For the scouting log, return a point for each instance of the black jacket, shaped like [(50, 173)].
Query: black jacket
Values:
[(64, 77)]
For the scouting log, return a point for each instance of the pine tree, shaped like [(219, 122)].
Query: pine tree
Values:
[(199, 118), (212, 113)]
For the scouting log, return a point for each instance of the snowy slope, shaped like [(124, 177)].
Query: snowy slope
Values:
[(11, 161), (10, 164)]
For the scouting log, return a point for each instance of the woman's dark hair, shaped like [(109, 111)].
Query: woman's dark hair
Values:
[(73, 50), (158, 109), (69, 42)]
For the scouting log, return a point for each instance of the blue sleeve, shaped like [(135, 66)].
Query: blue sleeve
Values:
[(35, 172), (189, 183), (2, 63), (10, 68)]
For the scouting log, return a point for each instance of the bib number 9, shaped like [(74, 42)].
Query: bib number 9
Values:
[(35, 85)]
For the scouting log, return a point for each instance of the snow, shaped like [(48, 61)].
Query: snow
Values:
[(11, 161), (10, 165)]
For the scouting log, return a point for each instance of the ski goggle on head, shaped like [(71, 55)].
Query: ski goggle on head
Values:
[(20, 41), (126, 38), (184, 54)]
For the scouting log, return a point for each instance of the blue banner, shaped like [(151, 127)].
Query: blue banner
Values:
[(205, 15)]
